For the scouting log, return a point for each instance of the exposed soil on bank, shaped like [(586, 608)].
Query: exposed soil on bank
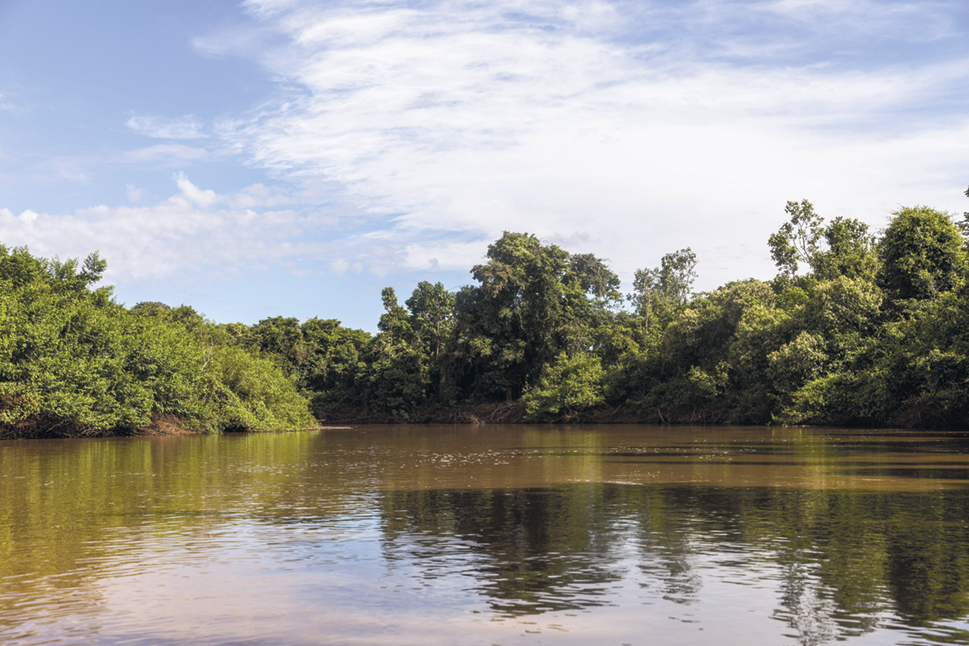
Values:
[(913, 415), (39, 427), (514, 413), (43, 427)]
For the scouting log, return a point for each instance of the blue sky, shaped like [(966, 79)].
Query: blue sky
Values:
[(287, 157)]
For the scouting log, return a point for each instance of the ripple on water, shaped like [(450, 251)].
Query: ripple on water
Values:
[(389, 537)]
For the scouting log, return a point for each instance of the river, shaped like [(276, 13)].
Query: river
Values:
[(623, 535)]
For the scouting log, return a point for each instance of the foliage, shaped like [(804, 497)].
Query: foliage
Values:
[(534, 301), (848, 249), (922, 253), (797, 239), (569, 385), (71, 354), (72, 358), (242, 391), (854, 329), (431, 315), (658, 293)]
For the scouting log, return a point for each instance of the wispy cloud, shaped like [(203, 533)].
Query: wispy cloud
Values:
[(635, 127), (896, 19), (186, 127), (173, 154), (407, 135)]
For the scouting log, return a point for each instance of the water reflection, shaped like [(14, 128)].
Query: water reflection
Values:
[(494, 534), (843, 561), (534, 550)]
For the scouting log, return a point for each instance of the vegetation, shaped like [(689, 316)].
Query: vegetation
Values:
[(73, 362), (855, 328)]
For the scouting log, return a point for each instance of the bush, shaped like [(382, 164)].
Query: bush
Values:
[(569, 385)]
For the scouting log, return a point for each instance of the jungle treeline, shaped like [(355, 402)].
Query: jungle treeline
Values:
[(857, 328)]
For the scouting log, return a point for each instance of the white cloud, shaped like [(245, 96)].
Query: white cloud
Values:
[(168, 153), (71, 169), (134, 194), (6, 105), (339, 267), (194, 232), (186, 127), (466, 119), (203, 198), (433, 256)]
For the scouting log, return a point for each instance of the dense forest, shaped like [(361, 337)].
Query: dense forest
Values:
[(857, 328)]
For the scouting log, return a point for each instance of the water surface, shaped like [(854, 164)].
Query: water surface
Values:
[(488, 535)]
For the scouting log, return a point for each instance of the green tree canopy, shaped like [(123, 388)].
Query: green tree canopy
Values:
[(922, 254), (431, 315), (533, 301), (663, 289), (797, 240)]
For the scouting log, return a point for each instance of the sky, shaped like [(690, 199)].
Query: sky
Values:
[(293, 157)]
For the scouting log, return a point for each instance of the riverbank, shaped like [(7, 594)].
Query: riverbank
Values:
[(910, 417), (43, 427), (914, 414)]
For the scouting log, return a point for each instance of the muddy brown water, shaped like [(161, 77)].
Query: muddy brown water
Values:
[(488, 535)]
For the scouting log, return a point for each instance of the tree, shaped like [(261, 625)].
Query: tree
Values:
[(394, 377), (534, 301), (646, 284), (431, 315), (152, 308), (280, 336), (676, 276), (394, 321), (336, 354), (512, 324), (595, 278), (964, 225), (668, 285), (850, 253), (73, 362), (849, 248), (797, 239), (922, 254)]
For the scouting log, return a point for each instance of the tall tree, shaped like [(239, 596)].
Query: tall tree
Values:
[(851, 251), (666, 287), (431, 315), (534, 301), (395, 377), (394, 321), (797, 239)]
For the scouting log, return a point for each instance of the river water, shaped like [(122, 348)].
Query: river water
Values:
[(488, 535)]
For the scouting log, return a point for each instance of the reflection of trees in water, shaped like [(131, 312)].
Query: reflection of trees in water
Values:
[(666, 551), (928, 578), (843, 561), (75, 512), (535, 549)]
